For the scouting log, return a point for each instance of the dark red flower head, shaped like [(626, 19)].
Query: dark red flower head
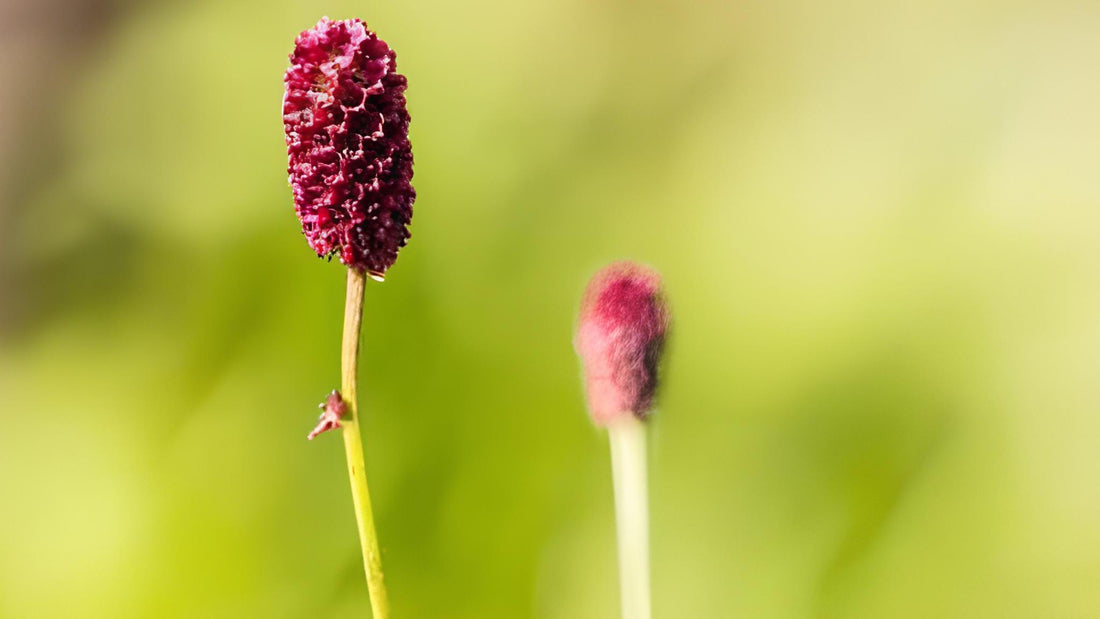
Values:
[(347, 135), (620, 337)]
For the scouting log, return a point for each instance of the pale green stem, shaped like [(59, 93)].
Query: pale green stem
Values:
[(353, 446), (628, 468)]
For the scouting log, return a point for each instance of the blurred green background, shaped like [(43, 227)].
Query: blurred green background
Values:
[(879, 225)]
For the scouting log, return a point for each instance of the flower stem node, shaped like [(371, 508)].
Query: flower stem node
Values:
[(332, 410)]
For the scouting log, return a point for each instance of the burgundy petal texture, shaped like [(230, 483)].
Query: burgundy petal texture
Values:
[(620, 337), (347, 137)]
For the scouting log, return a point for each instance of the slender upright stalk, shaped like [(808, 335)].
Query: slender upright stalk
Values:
[(353, 446), (628, 468)]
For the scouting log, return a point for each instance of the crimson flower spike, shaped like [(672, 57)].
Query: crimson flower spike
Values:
[(347, 137), (350, 167), (620, 337)]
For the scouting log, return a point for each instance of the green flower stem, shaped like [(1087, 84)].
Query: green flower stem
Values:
[(628, 468), (353, 446)]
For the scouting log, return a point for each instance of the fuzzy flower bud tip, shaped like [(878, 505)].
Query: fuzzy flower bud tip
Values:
[(347, 137), (620, 337)]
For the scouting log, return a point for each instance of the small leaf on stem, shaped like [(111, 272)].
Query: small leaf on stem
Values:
[(333, 409)]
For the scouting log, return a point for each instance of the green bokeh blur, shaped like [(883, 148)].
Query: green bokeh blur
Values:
[(879, 226)]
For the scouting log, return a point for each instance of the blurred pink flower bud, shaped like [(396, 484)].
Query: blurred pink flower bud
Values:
[(620, 337), (347, 137)]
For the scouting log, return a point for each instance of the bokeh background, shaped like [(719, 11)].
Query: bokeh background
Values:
[(879, 224)]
